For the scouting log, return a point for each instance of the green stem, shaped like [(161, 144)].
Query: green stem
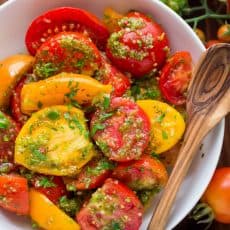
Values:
[(193, 9), (205, 16)]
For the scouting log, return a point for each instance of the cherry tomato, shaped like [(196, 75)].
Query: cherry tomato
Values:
[(223, 33), (108, 74), (140, 45), (200, 34), (65, 19), (145, 173), (114, 206), (175, 77), (52, 187), (14, 194), (217, 195), (15, 102), (67, 52), (8, 132), (93, 174), (122, 131), (211, 43)]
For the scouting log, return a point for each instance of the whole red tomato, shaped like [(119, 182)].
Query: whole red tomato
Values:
[(217, 195)]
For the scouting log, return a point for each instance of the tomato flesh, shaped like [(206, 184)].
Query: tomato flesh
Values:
[(124, 135), (65, 19), (14, 194), (52, 187), (93, 174), (67, 52), (7, 139), (175, 77), (139, 47), (112, 205), (145, 173)]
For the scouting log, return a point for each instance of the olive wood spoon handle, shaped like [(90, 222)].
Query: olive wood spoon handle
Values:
[(208, 102)]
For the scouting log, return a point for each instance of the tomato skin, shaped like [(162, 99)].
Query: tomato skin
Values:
[(123, 203), (7, 140), (65, 19), (175, 77), (109, 74), (125, 133), (93, 174), (217, 195), (14, 194), (211, 43), (55, 192), (138, 55), (145, 173), (70, 52), (15, 102), (223, 33)]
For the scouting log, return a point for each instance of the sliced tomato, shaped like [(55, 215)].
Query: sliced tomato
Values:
[(65, 19), (122, 131), (145, 173), (15, 102), (67, 52), (139, 47), (8, 132), (114, 206), (14, 194), (52, 187), (175, 77), (108, 74)]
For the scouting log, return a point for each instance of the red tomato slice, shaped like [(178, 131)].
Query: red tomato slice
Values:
[(8, 134), (14, 194), (15, 102), (122, 131), (67, 52), (175, 77), (65, 19), (114, 206), (53, 187), (139, 47), (94, 174), (145, 173), (108, 74)]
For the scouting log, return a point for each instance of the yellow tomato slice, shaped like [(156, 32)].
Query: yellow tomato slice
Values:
[(54, 141), (11, 69), (60, 89), (167, 125), (47, 215)]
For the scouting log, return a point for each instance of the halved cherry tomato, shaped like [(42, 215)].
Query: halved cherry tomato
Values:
[(175, 77), (140, 45), (223, 33), (145, 173), (14, 194), (211, 43), (121, 131), (15, 102), (52, 187), (8, 132), (114, 206), (67, 52), (65, 19), (93, 174), (108, 74), (217, 195)]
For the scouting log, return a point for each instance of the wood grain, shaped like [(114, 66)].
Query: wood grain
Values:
[(207, 103)]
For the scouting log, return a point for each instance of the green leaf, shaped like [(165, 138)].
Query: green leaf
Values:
[(96, 127)]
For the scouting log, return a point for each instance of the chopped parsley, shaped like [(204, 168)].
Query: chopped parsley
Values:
[(53, 115), (164, 135), (37, 156), (106, 102), (69, 206), (103, 146), (96, 127), (74, 122), (4, 121), (45, 70), (160, 118), (155, 155), (45, 182)]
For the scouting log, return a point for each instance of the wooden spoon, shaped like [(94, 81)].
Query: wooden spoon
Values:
[(208, 102)]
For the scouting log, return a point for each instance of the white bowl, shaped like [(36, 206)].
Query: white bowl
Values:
[(15, 16)]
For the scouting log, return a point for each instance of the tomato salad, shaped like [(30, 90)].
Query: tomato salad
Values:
[(86, 118)]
